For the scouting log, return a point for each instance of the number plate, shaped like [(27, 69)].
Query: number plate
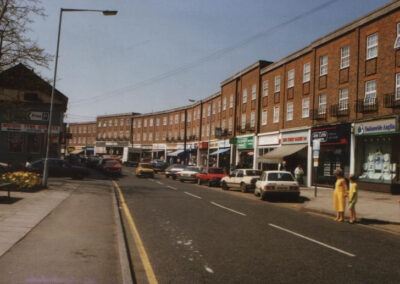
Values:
[(282, 188)]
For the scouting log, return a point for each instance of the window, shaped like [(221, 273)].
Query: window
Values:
[(176, 118), (189, 117), (397, 94), (145, 123), (306, 72), (139, 123), (182, 117), (224, 104), (151, 122), (157, 121), (276, 114), (289, 112), (164, 120), (99, 124), (171, 119), (231, 101), (277, 87), (344, 99), (243, 125), (344, 57), (223, 124), (322, 104), (230, 124), (213, 108), (194, 115), (244, 96), (305, 108), (150, 136), (370, 92), (397, 41), (121, 122), (157, 136), (115, 122), (264, 117), (323, 65), (208, 130), (144, 136), (209, 110), (128, 121), (372, 46), (265, 88), (212, 130), (290, 80), (253, 92), (219, 106), (252, 119)]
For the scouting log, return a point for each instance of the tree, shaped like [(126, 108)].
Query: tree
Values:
[(15, 45)]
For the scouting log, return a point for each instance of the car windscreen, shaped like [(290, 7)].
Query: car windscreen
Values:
[(193, 169), (253, 173), (280, 177), (215, 171), (146, 166)]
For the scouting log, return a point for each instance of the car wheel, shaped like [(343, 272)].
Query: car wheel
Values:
[(224, 186), (174, 177), (262, 195), (199, 181), (255, 192), (181, 180), (243, 187)]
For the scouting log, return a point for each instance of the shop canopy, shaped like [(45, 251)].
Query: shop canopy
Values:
[(175, 153), (220, 151), (76, 152), (276, 156)]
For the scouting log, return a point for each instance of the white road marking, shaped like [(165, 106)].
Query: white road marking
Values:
[(171, 187), (234, 211), (192, 195), (150, 179), (312, 240), (159, 182), (208, 269)]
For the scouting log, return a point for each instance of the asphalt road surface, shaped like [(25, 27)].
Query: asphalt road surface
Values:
[(193, 234)]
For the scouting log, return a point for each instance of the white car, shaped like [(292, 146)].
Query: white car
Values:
[(244, 179), (277, 183), (188, 174)]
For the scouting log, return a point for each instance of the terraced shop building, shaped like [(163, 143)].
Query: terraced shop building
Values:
[(24, 116)]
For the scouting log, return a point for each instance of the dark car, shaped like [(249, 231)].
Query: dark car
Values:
[(159, 166), (131, 163), (58, 168), (92, 162), (112, 167)]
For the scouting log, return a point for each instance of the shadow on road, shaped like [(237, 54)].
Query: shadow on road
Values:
[(7, 200)]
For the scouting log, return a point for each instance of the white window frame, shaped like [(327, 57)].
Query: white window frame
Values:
[(224, 104), (230, 124), (344, 57), (397, 41), (243, 122), (223, 124), (305, 108), (157, 121), (397, 93), (213, 108), (253, 92), (264, 117), (176, 118), (244, 96), (165, 121), (323, 65), (145, 123), (322, 103), (306, 72), (151, 122), (182, 117), (265, 88), (372, 46), (189, 117), (289, 111), (277, 84), (209, 110), (290, 80), (276, 115), (252, 119), (231, 101), (343, 99), (370, 93)]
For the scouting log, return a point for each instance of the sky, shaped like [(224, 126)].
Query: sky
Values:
[(157, 54)]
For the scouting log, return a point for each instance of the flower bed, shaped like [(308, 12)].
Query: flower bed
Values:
[(23, 180)]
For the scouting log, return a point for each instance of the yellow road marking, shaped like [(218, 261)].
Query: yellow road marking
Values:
[(142, 252)]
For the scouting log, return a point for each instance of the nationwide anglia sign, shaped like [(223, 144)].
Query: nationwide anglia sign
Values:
[(376, 127)]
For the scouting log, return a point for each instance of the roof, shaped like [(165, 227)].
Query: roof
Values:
[(20, 77), (259, 63), (118, 114), (374, 15)]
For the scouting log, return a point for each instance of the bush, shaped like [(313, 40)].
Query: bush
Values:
[(21, 179)]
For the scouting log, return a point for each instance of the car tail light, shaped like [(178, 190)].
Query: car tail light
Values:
[(268, 187), (193, 175), (294, 188)]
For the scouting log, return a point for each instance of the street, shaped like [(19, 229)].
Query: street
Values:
[(194, 234)]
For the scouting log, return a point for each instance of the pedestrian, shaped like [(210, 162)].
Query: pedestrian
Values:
[(339, 195), (283, 166), (353, 194), (299, 173)]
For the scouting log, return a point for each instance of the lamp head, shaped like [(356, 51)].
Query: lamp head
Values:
[(110, 12)]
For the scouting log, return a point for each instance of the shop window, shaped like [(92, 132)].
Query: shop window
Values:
[(344, 99), (306, 72), (15, 142), (323, 65), (370, 93), (344, 57), (290, 80), (372, 46)]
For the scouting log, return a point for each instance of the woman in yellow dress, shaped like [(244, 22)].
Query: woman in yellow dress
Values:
[(352, 199), (339, 195)]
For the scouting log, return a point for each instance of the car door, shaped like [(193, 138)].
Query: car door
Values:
[(230, 181), (238, 178)]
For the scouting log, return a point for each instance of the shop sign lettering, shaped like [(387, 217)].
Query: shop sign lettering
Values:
[(31, 128), (376, 127), (244, 142), (295, 137), (334, 134)]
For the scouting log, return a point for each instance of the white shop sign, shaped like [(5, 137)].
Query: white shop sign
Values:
[(299, 137), (224, 144), (268, 140)]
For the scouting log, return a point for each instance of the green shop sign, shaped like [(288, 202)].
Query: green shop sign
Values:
[(242, 142)]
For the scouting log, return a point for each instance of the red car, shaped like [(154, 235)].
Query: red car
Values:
[(112, 167), (211, 176)]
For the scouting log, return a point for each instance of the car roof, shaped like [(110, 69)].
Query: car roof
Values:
[(287, 172)]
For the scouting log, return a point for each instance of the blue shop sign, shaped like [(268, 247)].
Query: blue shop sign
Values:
[(376, 127)]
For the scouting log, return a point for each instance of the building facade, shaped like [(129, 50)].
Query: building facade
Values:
[(82, 138)]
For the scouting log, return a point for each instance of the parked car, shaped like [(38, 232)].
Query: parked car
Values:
[(188, 174), (59, 167), (211, 176), (145, 169), (159, 166), (245, 179), (172, 170), (102, 161), (278, 183), (112, 167), (131, 163), (92, 162)]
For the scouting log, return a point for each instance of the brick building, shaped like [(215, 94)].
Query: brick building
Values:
[(82, 139)]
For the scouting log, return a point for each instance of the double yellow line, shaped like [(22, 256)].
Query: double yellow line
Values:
[(151, 278)]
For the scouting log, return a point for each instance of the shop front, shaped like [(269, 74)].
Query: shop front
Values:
[(159, 151), (191, 149), (244, 151), (267, 143), (202, 154), (377, 155), (334, 151)]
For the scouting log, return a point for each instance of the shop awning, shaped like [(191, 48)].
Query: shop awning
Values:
[(175, 154), (220, 151), (76, 152), (276, 156)]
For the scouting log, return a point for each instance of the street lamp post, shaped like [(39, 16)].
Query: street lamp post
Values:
[(105, 13)]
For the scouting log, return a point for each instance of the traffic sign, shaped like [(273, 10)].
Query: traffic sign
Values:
[(38, 115)]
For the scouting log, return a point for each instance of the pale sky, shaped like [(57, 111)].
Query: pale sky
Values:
[(155, 55)]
